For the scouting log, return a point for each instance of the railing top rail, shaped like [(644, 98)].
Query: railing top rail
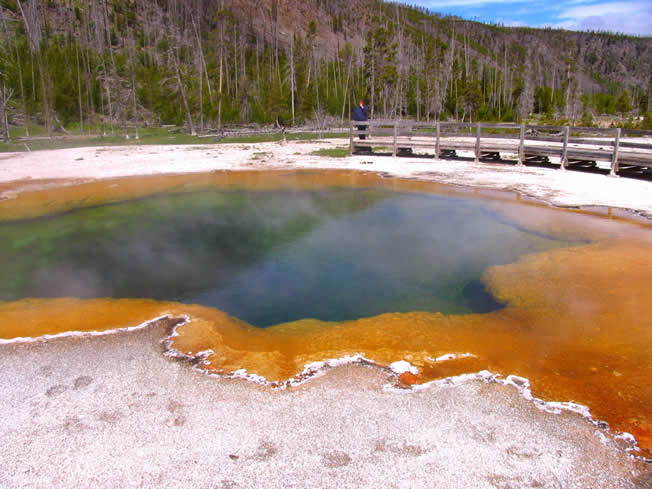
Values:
[(609, 131), (636, 132), (387, 121), (600, 130), (626, 144), (454, 123), (499, 126)]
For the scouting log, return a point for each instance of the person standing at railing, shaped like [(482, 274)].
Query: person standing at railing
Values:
[(360, 114)]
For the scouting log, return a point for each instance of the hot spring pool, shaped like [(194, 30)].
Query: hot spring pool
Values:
[(274, 270)]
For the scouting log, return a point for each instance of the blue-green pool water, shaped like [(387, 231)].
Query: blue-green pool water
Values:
[(272, 256)]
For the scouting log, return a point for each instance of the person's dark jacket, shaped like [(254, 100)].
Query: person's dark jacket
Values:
[(360, 113)]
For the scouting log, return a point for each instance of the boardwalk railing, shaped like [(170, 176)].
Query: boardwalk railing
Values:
[(571, 146)]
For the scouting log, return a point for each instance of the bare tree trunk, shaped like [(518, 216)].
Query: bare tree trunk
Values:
[(100, 38), (115, 71), (335, 77), (108, 95), (569, 82), (44, 94), (31, 47), (219, 93), (346, 90), (103, 114), (4, 99), (373, 83), (202, 59), (292, 74), (257, 67), (201, 97), (79, 95), (182, 90), (22, 90), (235, 60), (466, 54), (90, 105), (318, 101), (19, 68), (34, 36), (418, 101), (133, 82), (552, 92), (243, 57)]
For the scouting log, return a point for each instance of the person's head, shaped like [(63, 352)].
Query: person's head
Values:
[(361, 103)]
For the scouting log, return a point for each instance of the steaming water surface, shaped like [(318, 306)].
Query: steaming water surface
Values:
[(274, 256)]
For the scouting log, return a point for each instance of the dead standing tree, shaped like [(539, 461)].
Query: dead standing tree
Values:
[(176, 40), (9, 58), (101, 30), (114, 71), (5, 92), (5, 96), (173, 45), (30, 15), (201, 62), (132, 49)]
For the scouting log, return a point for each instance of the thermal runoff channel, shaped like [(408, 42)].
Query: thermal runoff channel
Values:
[(269, 257)]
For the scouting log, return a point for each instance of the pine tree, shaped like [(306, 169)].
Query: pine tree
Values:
[(624, 104)]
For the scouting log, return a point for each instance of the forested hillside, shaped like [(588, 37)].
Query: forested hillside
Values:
[(89, 65)]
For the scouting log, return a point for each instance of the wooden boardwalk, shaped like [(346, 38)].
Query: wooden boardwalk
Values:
[(570, 146)]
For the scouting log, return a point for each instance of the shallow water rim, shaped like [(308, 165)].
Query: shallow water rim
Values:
[(87, 192)]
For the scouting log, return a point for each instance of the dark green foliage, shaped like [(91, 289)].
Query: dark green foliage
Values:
[(646, 123), (623, 104)]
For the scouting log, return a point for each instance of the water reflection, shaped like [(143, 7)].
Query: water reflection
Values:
[(272, 256)]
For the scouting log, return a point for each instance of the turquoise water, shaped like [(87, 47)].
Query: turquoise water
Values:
[(272, 256)]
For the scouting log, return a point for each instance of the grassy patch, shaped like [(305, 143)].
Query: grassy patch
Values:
[(339, 152), (146, 137), (260, 155), (276, 136)]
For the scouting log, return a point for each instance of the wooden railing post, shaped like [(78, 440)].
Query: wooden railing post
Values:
[(394, 147), (614, 158), (521, 146), (350, 138), (564, 151), (437, 148), (477, 143)]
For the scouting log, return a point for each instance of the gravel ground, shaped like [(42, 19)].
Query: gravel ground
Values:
[(113, 412)]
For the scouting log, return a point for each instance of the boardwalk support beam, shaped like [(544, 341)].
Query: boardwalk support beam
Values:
[(614, 159), (564, 151), (477, 143), (350, 138), (394, 147), (521, 146)]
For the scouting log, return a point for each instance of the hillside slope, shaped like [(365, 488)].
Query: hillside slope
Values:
[(203, 63)]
